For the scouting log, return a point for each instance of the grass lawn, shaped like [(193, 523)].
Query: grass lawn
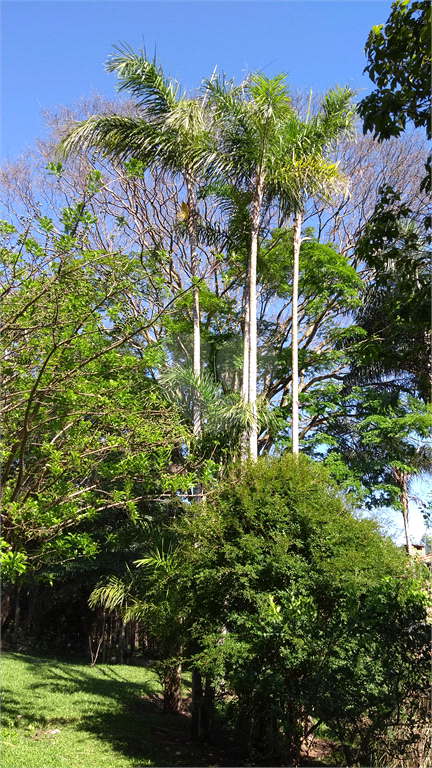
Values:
[(58, 714)]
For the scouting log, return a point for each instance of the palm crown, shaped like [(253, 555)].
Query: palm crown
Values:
[(264, 148), (169, 127)]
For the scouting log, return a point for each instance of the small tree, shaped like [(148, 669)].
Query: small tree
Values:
[(151, 596), (383, 437)]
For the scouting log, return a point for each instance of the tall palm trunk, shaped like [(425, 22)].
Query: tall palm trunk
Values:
[(191, 226), (255, 222), (294, 347), (401, 480), (246, 350), (246, 340)]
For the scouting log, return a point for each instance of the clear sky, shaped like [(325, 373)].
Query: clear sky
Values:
[(53, 52)]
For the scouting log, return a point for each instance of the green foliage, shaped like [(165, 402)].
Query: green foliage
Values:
[(396, 305), (13, 564), (399, 57), (170, 129), (302, 590), (259, 132), (84, 428), (399, 62), (382, 437)]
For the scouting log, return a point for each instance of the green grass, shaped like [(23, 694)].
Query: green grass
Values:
[(99, 713)]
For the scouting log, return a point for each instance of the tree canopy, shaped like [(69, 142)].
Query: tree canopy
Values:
[(399, 59)]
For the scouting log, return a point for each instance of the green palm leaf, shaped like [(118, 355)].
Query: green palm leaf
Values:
[(145, 80)]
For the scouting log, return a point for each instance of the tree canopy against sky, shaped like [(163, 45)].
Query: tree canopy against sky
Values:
[(399, 59), (287, 596), (62, 48), (171, 131)]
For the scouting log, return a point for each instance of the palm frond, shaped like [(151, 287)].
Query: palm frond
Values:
[(336, 118), (161, 561), (145, 80), (225, 417), (115, 136), (111, 594), (269, 97)]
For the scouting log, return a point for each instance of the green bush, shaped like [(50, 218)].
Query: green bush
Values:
[(305, 612)]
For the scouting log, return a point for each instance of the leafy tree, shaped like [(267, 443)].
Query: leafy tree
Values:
[(399, 57), (329, 290), (84, 428), (382, 436), (399, 61), (289, 593), (396, 305)]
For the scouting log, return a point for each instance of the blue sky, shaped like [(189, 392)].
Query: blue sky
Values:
[(53, 51)]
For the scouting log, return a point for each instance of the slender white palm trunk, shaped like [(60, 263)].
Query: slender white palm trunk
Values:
[(294, 343), (246, 350), (255, 221), (246, 341), (404, 501), (191, 225)]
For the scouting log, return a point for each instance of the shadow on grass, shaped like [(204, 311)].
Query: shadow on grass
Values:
[(105, 684), (143, 732), (124, 714)]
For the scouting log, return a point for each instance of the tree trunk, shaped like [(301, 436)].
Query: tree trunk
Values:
[(202, 707), (172, 689), (294, 347), (6, 599), (246, 330), (255, 222), (191, 226), (197, 696), (32, 598), (17, 611), (246, 348), (404, 500), (400, 479), (122, 642)]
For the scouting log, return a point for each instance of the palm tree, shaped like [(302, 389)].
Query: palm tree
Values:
[(311, 172), (150, 595), (268, 151), (249, 118), (170, 130)]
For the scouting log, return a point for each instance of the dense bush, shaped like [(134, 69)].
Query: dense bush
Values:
[(305, 613)]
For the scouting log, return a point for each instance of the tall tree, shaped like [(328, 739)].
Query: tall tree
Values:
[(267, 150), (249, 118), (311, 172), (81, 420), (170, 130)]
